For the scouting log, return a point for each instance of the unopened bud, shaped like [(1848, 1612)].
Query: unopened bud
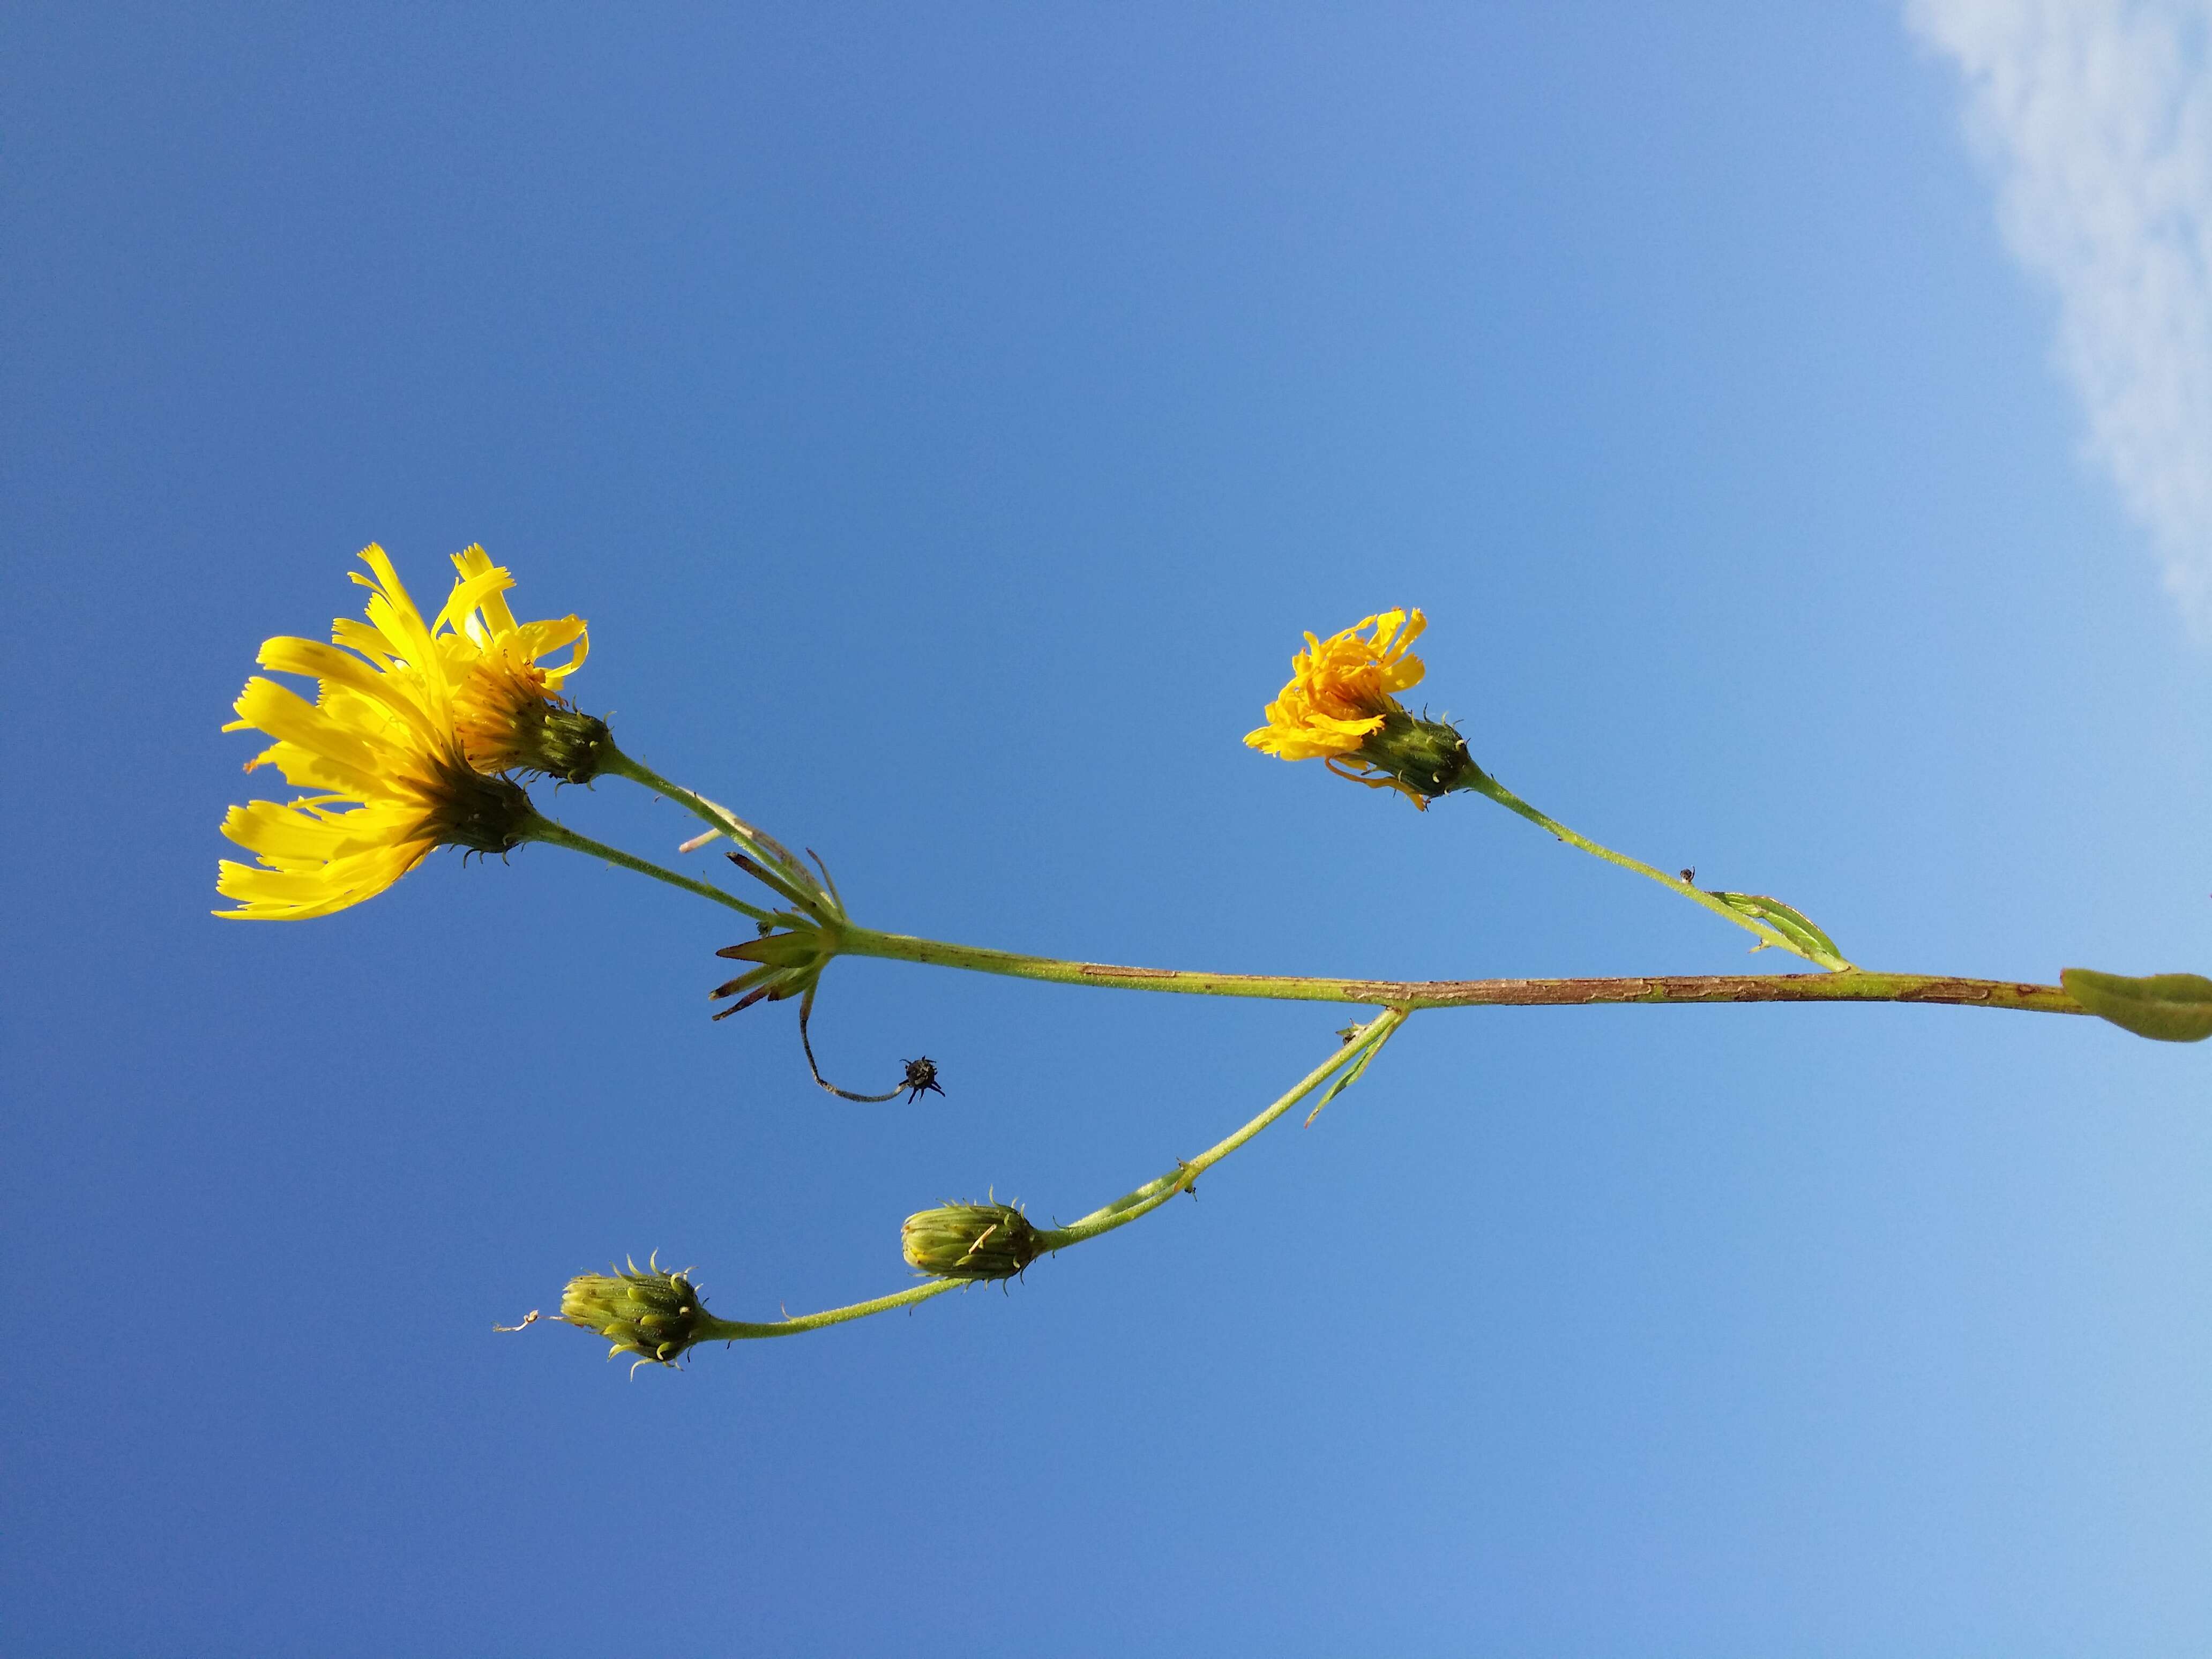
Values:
[(970, 1241), (654, 1314)]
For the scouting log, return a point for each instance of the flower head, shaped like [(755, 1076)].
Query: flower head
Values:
[(654, 1314), (970, 1241), (507, 709), (1340, 688), (380, 748), (1341, 707)]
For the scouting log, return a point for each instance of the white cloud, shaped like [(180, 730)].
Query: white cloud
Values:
[(2096, 116)]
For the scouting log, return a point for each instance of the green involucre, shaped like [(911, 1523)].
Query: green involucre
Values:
[(970, 1241), (654, 1314)]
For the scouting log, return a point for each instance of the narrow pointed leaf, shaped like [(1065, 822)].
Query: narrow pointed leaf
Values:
[(1350, 1075), (2165, 1007), (1791, 923)]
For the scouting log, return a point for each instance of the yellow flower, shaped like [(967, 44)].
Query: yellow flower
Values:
[(507, 709), (1340, 688), (381, 748), (1340, 708)]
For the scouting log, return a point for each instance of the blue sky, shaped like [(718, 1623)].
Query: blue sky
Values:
[(948, 421)]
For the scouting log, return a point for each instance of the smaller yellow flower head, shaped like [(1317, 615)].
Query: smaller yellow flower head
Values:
[(502, 687), (1341, 707), (1341, 688), (380, 746)]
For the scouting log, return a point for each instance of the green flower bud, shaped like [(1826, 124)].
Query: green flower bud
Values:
[(970, 1241), (654, 1314), (1425, 758)]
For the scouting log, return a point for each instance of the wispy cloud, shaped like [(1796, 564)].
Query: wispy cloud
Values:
[(2096, 116)]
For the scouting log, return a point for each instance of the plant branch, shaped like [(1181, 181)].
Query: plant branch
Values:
[(1859, 986), (1486, 785), (557, 834), (1129, 1207)]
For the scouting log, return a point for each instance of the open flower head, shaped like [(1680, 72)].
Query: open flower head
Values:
[(508, 707), (1341, 708), (380, 750), (1340, 688)]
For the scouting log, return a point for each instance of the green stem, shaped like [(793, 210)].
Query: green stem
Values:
[(771, 871), (1154, 1193), (1486, 785), (736, 1330), (767, 859), (614, 760), (557, 834), (1120, 1213), (1860, 986)]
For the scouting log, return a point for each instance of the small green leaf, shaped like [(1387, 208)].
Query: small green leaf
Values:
[(2167, 1008), (1349, 1077), (1792, 924)]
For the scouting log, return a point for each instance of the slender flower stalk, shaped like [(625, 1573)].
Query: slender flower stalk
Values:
[(626, 1306), (1341, 707), (542, 828), (1345, 1065), (1483, 784), (759, 854)]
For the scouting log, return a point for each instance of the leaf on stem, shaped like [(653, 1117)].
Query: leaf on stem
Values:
[(1791, 923), (1350, 1075), (2165, 1007)]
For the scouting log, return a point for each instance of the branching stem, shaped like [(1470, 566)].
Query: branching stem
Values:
[(1859, 986), (1129, 1207)]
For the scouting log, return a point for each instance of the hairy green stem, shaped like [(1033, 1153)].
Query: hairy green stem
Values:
[(1120, 1213), (766, 867), (738, 1330), (1859, 986), (616, 764), (621, 765), (557, 834), (1154, 1193), (1486, 785)]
